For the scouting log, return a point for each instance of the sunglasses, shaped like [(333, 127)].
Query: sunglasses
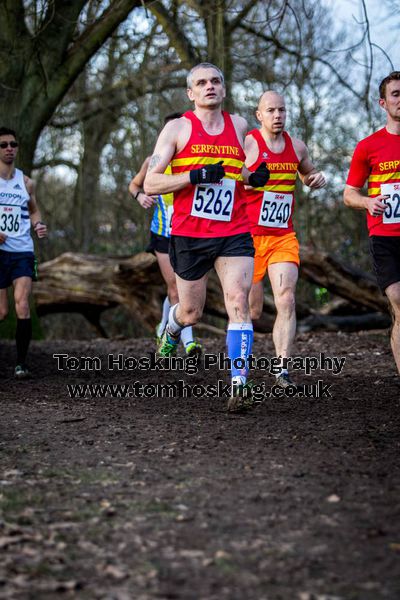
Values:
[(4, 145)]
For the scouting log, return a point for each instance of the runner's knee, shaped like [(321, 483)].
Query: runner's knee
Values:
[(3, 313), (285, 302), (237, 302), (189, 315), (22, 308)]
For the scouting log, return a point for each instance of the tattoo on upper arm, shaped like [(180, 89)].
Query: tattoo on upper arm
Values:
[(155, 159)]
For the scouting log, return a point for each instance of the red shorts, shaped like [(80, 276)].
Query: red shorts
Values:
[(274, 249)]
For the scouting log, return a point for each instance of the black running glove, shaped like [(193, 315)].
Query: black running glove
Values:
[(260, 176), (207, 174)]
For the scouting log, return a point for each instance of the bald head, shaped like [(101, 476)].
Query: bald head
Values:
[(271, 113), (270, 98)]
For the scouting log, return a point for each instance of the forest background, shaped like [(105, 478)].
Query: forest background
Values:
[(87, 84)]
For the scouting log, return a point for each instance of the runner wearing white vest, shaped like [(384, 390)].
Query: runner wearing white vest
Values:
[(18, 212)]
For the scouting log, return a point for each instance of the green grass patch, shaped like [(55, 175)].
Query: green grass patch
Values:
[(13, 501)]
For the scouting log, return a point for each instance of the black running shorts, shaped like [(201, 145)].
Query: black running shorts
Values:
[(191, 257), (14, 265), (158, 243), (385, 252)]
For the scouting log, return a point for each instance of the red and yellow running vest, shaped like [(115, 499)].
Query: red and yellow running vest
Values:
[(377, 158), (210, 210), (270, 208)]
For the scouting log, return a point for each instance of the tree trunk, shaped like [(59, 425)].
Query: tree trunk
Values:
[(38, 68)]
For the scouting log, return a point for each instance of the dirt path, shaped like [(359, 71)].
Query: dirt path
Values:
[(128, 498)]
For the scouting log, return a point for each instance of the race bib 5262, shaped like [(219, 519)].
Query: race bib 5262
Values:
[(214, 200)]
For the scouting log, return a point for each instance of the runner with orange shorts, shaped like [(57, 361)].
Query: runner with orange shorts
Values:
[(270, 210)]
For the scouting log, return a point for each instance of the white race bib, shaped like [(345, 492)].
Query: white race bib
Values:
[(10, 220), (214, 200), (276, 209), (170, 212), (392, 211)]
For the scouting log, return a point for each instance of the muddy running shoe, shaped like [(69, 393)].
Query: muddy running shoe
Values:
[(168, 344), (194, 349), (21, 372), (284, 381), (241, 399)]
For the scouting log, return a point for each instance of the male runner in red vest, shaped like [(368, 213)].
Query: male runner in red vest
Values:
[(377, 159), (270, 210), (209, 226)]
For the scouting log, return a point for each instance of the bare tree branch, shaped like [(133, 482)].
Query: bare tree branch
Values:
[(295, 53), (119, 95), (371, 56), (186, 52), (232, 25)]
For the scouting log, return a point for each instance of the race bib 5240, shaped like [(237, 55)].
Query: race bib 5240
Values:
[(276, 209)]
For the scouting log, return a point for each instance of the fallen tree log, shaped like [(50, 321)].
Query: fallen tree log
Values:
[(346, 281), (90, 284)]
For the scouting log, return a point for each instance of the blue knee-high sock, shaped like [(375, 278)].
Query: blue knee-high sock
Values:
[(239, 341)]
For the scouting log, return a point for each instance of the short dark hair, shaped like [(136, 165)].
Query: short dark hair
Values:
[(7, 131), (171, 116), (394, 76)]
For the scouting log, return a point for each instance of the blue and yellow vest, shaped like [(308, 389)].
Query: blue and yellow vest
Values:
[(162, 216)]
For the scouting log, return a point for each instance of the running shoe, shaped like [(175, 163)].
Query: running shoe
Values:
[(168, 344), (241, 399), (284, 381), (21, 372), (194, 349)]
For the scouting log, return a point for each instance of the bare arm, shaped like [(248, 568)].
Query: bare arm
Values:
[(309, 175), (137, 182), (353, 197), (34, 213), (156, 181), (136, 187), (241, 127), (251, 150)]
